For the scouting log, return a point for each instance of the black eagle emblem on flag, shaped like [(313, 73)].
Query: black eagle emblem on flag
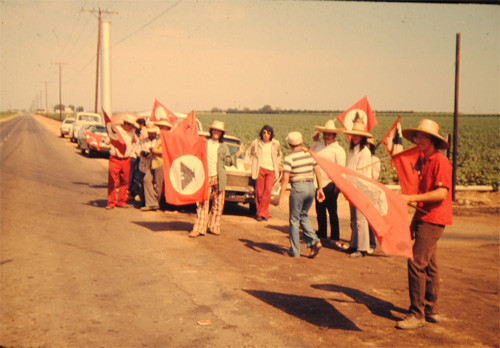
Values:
[(187, 175)]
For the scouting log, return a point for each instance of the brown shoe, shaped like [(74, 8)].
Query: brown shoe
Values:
[(194, 234), (315, 249)]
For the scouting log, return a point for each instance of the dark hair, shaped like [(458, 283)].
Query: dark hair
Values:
[(267, 128), (141, 121), (362, 143), (221, 138)]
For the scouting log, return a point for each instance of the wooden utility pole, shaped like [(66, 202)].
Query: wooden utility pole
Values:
[(99, 17), (46, 105), (455, 118), (60, 93)]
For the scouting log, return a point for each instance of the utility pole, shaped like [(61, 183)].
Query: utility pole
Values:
[(60, 94), (99, 17), (455, 118), (46, 105)]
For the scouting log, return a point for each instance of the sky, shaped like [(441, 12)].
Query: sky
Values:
[(196, 55)]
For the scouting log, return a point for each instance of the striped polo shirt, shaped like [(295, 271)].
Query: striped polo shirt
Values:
[(300, 165)]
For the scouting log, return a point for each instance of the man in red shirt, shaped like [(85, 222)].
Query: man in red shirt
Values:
[(434, 212)]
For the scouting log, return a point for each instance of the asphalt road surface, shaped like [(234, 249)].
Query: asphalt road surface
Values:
[(76, 275)]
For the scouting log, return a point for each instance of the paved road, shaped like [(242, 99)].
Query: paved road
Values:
[(74, 274)]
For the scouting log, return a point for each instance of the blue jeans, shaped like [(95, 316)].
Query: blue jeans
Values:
[(301, 199)]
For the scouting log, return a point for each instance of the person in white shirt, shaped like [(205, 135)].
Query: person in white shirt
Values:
[(360, 160), (265, 155), (375, 175), (218, 156), (332, 151)]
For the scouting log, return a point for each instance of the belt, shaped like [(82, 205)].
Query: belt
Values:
[(302, 180), (120, 158)]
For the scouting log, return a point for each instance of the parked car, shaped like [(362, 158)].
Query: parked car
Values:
[(81, 119), (92, 138), (240, 187), (66, 126)]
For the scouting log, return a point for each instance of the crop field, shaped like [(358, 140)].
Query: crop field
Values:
[(478, 138)]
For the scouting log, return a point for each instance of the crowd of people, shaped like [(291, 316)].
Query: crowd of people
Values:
[(139, 171)]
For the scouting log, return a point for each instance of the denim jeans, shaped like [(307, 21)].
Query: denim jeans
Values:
[(301, 199)]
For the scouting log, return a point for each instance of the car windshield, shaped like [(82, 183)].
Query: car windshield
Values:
[(99, 129), (90, 118), (233, 145)]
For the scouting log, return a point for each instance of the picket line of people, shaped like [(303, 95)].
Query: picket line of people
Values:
[(309, 183)]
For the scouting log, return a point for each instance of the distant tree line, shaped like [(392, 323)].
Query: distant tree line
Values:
[(62, 107), (268, 109)]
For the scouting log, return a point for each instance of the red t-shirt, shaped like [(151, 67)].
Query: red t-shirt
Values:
[(435, 173)]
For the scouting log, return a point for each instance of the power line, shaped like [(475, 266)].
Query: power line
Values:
[(148, 23)]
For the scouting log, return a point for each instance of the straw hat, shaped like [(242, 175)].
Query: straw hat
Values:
[(130, 120), (294, 138), (163, 122), (358, 128), (329, 128), (428, 127), (217, 125), (370, 141), (153, 129)]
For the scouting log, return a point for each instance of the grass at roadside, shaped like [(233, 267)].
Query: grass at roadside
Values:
[(5, 114)]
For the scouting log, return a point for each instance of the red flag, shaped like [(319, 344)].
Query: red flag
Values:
[(159, 111), (407, 164), (385, 210), (94, 139), (361, 110), (114, 135), (184, 163), (393, 138)]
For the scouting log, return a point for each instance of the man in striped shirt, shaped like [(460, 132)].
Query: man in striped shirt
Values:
[(300, 169)]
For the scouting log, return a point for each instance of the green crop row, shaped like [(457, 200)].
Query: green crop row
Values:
[(478, 154)]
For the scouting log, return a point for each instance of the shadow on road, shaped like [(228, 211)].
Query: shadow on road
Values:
[(314, 310), (258, 247), (165, 226), (376, 306)]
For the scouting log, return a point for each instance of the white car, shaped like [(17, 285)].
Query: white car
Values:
[(81, 119), (66, 126)]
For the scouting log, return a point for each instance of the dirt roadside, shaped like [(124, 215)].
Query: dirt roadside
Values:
[(334, 300)]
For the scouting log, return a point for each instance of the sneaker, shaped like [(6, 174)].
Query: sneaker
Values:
[(410, 322), (123, 206), (433, 318), (370, 251), (149, 208), (356, 254), (108, 207)]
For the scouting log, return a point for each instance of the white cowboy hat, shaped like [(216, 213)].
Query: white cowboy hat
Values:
[(294, 138), (428, 127), (217, 125), (163, 122), (358, 128), (329, 128), (130, 120)]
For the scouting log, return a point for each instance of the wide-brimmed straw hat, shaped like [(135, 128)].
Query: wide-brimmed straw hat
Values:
[(153, 129), (163, 122), (370, 141), (329, 128), (428, 127), (358, 128), (130, 120), (294, 138), (217, 125)]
